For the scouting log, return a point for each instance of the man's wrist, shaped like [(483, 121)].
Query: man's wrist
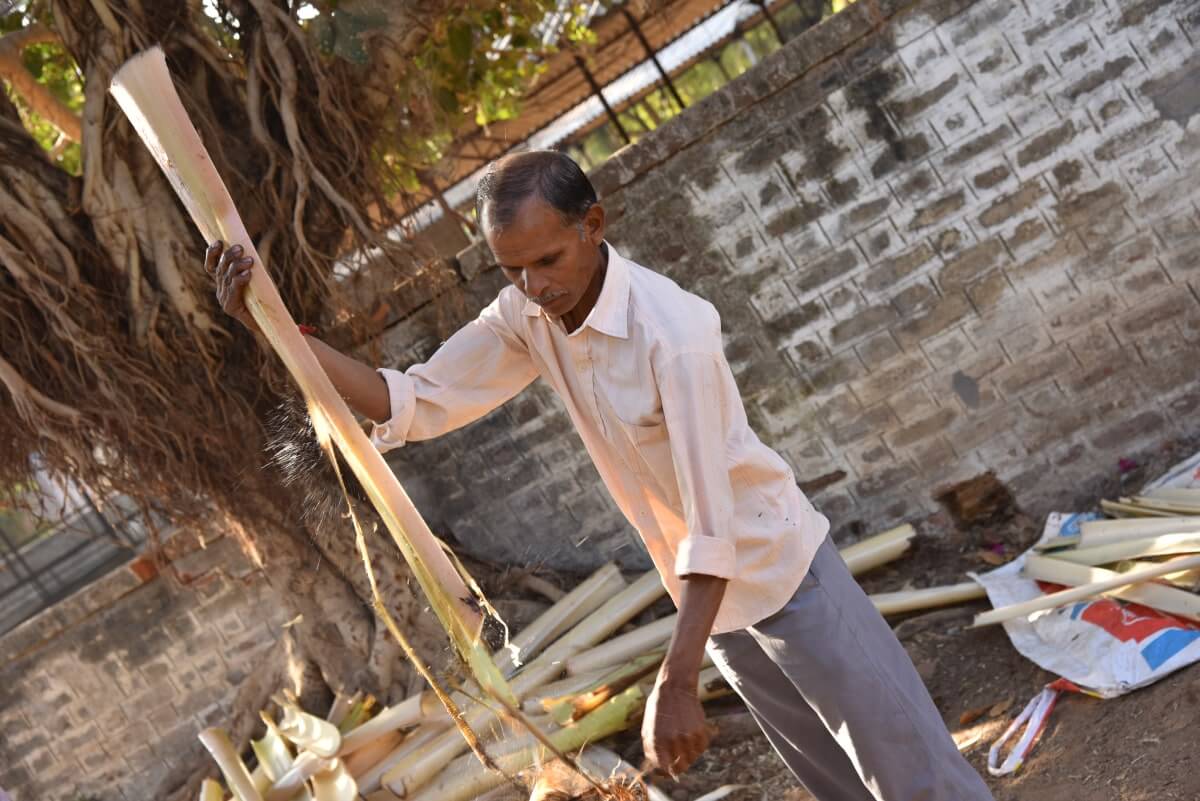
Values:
[(678, 677)]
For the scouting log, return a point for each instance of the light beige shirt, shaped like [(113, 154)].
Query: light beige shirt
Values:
[(646, 383)]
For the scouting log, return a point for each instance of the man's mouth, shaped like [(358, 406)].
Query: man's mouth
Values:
[(546, 300)]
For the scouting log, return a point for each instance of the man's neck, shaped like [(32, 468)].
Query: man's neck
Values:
[(575, 317)]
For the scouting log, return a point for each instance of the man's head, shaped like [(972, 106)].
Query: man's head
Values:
[(539, 213)]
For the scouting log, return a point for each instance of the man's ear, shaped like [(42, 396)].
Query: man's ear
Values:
[(593, 224)]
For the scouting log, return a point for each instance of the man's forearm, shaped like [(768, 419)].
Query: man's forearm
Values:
[(364, 389), (698, 604)]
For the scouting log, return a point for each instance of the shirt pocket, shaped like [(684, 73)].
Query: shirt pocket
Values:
[(629, 401), (648, 454)]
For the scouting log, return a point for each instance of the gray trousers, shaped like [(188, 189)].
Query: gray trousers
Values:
[(839, 699)]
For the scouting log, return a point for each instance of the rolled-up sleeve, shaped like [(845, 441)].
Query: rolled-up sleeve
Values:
[(697, 390), (484, 364)]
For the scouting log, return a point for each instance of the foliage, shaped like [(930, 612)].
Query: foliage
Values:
[(54, 69), (474, 68), (702, 78)]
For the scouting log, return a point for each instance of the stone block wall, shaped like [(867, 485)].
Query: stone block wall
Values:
[(945, 237), (103, 694)]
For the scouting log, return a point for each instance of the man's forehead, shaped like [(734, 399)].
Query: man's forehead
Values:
[(535, 231)]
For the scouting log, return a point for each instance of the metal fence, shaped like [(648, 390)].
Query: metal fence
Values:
[(87, 541)]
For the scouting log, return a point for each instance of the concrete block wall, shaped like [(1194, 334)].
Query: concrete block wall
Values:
[(945, 237), (103, 694)]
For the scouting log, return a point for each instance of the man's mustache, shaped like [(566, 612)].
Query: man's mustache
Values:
[(544, 299)]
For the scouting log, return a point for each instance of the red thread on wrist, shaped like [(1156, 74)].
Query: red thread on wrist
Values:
[(310, 330)]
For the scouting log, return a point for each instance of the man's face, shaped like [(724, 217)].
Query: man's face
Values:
[(550, 261)]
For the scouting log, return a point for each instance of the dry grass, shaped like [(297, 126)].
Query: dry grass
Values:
[(558, 782)]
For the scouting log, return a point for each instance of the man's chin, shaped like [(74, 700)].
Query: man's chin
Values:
[(559, 306)]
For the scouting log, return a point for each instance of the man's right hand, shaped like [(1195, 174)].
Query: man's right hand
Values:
[(363, 388), (230, 269)]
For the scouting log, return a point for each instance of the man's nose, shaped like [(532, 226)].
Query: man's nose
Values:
[(535, 286)]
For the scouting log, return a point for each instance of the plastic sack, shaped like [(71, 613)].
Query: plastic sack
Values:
[(1103, 647)]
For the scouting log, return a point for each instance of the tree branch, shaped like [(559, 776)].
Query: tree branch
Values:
[(18, 40), (39, 98), (25, 396)]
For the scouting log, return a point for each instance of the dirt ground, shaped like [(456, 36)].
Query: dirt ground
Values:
[(1133, 748), (1139, 747)]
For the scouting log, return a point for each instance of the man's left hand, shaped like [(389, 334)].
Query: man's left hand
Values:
[(674, 732)]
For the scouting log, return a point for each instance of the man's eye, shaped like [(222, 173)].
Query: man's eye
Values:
[(546, 262)]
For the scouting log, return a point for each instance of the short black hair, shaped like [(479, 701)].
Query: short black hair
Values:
[(552, 176)]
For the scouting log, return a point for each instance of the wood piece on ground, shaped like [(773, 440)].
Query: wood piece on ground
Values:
[(1120, 509), (1188, 496), (237, 777), (1106, 532), (290, 784), (722, 792), (409, 712), (359, 712), (418, 739), (542, 587), (374, 752), (894, 603), (564, 710), (622, 649), (309, 732), (712, 685), (416, 769), (1063, 541), (574, 691), (1067, 596), (1156, 596), (210, 790), (1159, 545), (1163, 504), (558, 619), (1185, 579), (464, 778), (334, 784), (341, 707), (274, 757), (258, 777), (590, 595), (538, 702), (878, 550)]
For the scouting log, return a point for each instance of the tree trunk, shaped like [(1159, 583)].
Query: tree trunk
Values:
[(120, 369)]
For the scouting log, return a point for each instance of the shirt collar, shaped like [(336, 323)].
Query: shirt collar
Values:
[(610, 315)]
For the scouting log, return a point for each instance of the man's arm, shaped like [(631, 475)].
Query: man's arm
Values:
[(478, 368), (674, 731), (700, 402), (364, 389), (360, 384)]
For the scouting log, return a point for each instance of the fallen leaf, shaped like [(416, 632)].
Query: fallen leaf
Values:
[(992, 558), (968, 741), (1000, 708), (972, 715)]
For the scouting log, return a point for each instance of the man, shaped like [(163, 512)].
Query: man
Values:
[(638, 362)]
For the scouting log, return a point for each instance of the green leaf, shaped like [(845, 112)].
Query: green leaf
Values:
[(446, 99), (462, 42)]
